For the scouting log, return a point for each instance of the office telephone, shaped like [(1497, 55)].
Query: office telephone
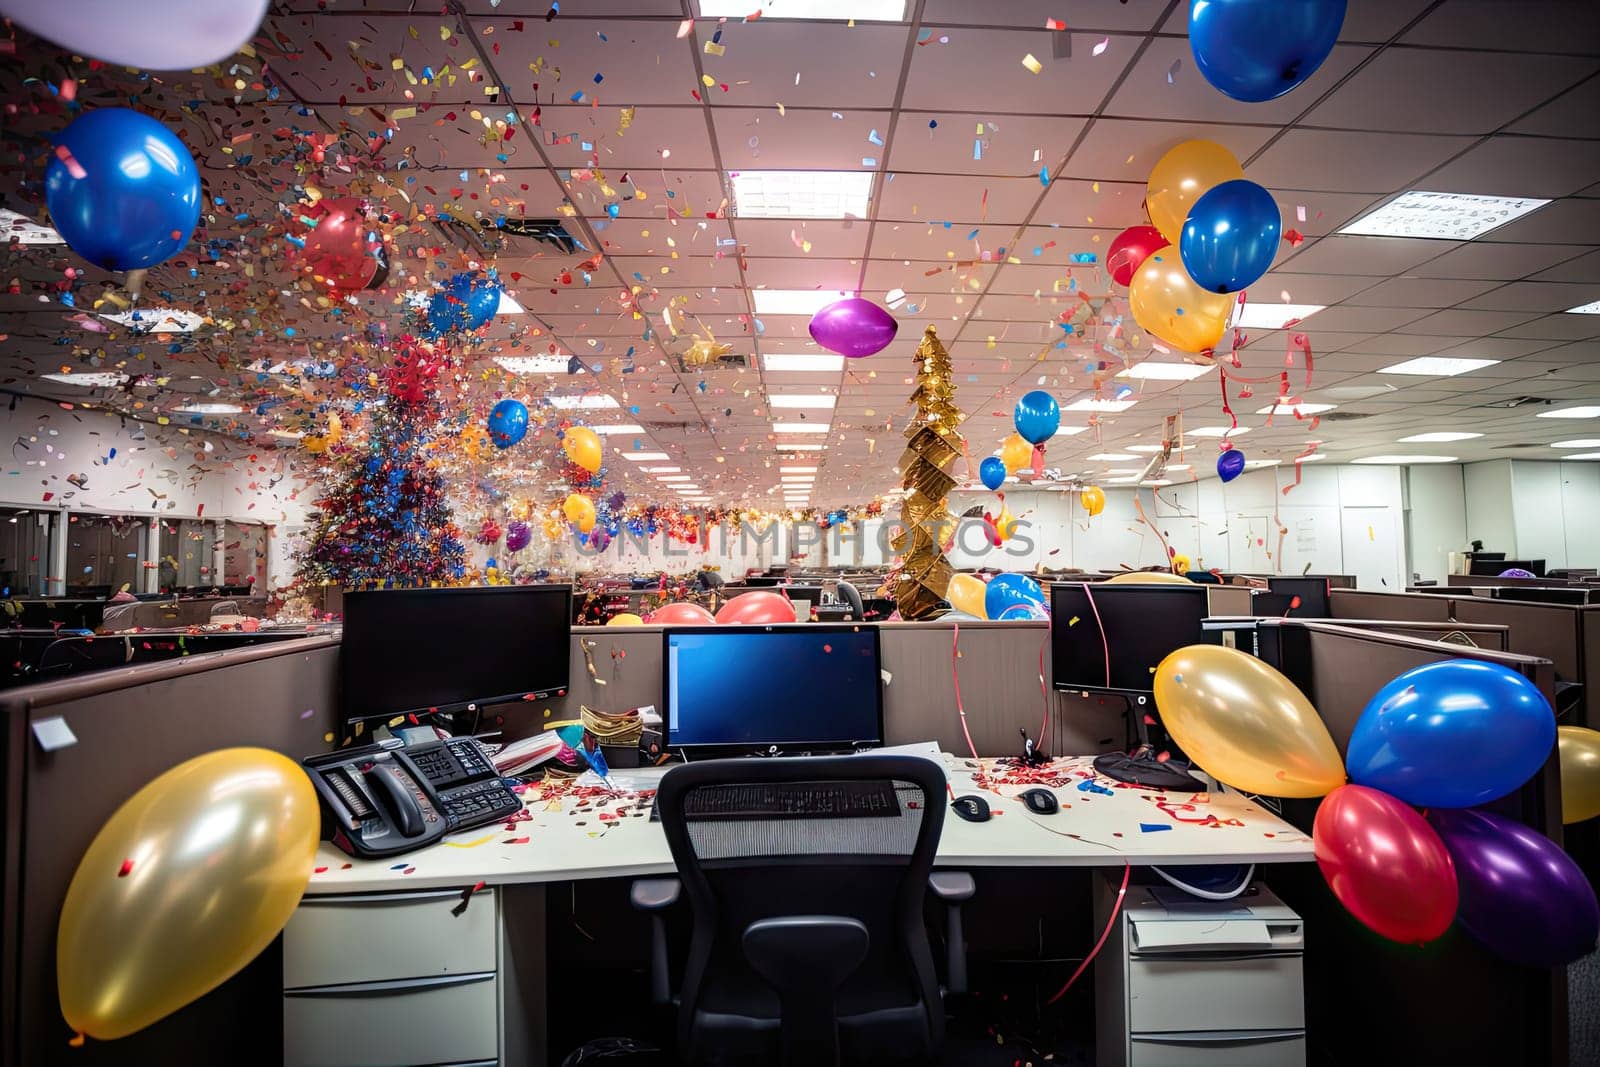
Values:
[(382, 801)]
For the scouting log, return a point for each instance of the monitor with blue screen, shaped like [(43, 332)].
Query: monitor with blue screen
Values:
[(799, 688)]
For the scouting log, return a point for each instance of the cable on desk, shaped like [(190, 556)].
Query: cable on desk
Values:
[(1116, 910)]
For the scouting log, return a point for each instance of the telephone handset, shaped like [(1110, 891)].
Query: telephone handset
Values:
[(384, 801)]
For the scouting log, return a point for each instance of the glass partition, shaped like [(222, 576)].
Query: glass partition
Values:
[(24, 551), (104, 553)]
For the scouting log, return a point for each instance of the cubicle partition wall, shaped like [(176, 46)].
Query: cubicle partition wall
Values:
[(131, 725), (1413, 607)]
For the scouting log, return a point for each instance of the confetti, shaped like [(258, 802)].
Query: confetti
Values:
[(1033, 65)]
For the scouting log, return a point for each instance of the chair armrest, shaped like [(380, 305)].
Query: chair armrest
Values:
[(953, 887), (655, 894)]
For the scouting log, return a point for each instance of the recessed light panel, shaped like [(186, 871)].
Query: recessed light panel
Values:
[(803, 362), (644, 457), (1583, 442), (1106, 406), (1438, 366), (793, 301), (590, 402), (799, 427), (801, 194), (1442, 216), (1290, 409), (1165, 372), (828, 10), (1587, 412), (1591, 308), (535, 364), (1438, 438), (89, 379), (605, 431), (801, 400), (209, 409), (1218, 431), (1267, 316), (1404, 460)]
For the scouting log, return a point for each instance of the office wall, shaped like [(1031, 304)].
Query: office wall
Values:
[(1488, 505), (1535, 509), (1436, 518)]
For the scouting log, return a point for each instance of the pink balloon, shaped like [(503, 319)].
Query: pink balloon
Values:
[(853, 327), (1385, 864), (1130, 249), (681, 614), (336, 250), (756, 608)]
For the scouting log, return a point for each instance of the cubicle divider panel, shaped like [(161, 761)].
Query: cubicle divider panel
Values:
[(131, 725), (1227, 600), (1410, 607), (1547, 630)]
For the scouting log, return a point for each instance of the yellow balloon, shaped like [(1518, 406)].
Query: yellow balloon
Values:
[(582, 446), (1183, 176), (966, 594), (1580, 773), (1016, 453), (185, 884), (1148, 578), (1005, 524), (1181, 564), (1166, 302), (1093, 500), (625, 618), (579, 510), (1245, 724)]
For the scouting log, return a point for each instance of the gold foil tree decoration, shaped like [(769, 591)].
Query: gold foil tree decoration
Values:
[(934, 443)]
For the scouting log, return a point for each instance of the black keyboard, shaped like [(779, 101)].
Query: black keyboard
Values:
[(790, 800), (457, 759), (479, 803)]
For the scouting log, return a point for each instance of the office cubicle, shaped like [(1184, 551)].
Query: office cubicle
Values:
[(1363, 604)]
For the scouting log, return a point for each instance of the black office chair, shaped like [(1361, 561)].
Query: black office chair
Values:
[(852, 597), (808, 944)]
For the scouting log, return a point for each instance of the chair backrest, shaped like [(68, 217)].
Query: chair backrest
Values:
[(874, 869)]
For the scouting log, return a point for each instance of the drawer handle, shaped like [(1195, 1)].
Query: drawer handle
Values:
[(348, 899), (391, 985), (1208, 956), (1219, 1037)]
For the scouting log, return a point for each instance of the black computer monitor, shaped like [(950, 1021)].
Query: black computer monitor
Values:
[(1265, 604), (748, 689), (1109, 638), (811, 594), (1492, 568), (424, 650), (1311, 591), (765, 581), (1541, 594), (1486, 555)]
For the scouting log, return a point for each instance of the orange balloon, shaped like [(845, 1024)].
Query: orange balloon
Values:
[(582, 446), (1015, 453), (1167, 302), (579, 511), (1181, 177)]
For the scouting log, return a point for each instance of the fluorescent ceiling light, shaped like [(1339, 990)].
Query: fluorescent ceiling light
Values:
[(1583, 455), (644, 457), (1442, 216), (798, 479), (287, 435), (621, 428), (1218, 431), (1314, 457), (209, 409), (1109, 406), (588, 402), (802, 362), (1180, 466), (89, 379), (20, 229), (1587, 412), (676, 477), (801, 400), (1070, 431), (157, 320), (535, 364), (1404, 460), (1111, 457), (1156, 481), (813, 470), (800, 194), (1165, 372), (508, 306), (1266, 316), (1438, 366), (1144, 448), (1591, 308), (794, 301), (799, 427), (1438, 438), (797, 446), (832, 10), (1290, 409), (1584, 442)]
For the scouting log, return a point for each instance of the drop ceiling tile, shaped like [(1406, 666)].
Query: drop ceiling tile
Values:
[(640, 62), (799, 139), (940, 197), (828, 238), (575, 136), (1352, 319), (687, 195), (1557, 328), (1467, 323), (942, 76), (1323, 212), (357, 52), (1536, 26), (1363, 255), (1536, 296), (1495, 261), (1562, 221), (1422, 292), (1352, 161), (1583, 268), (1147, 92), (819, 64), (804, 272), (1079, 204), (1569, 115), (937, 241), (1127, 149), (1375, 23), (1519, 166), (1111, 15), (1015, 145)]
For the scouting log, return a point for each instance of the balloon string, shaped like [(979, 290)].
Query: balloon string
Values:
[(1049, 624), (1116, 910), (955, 676), (1104, 644), (1159, 537)]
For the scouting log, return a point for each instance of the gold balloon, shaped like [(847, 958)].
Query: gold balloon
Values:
[(1580, 773), (1166, 302), (625, 618), (1183, 176), (1181, 564), (185, 884), (966, 593), (1016, 453), (702, 352), (1148, 578), (1245, 724), (1093, 500), (579, 509), (582, 446)]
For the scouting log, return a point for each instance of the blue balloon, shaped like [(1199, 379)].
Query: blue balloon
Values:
[(1231, 236), (1255, 50), (1230, 464), (993, 472), (508, 423), (1452, 734), (479, 296), (1023, 611), (1008, 590), (1037, 417), (136, 198)]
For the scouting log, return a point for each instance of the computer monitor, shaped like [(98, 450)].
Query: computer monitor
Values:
[(1311, 591), (424, 650), (1265, 604), (1109, 638), (1542, 594), (804, 594), (1486, 555), (1492, 568), (762, 581), (770, 689)]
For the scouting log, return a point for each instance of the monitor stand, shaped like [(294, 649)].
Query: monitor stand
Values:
[(1141, 767)]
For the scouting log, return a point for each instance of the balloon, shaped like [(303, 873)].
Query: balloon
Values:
[(1385, 864), (625, 618), (337, 255), (1522, 897), (1130, 249), (1015, 453), (130, 197), (1452, 734), (1023, 612), (582, 446), (1037, 417), (1005, 524), (1147, 578), (185, 884), (1093, 499), (1005, 590), (853, 327), (1255, 50), (164, 35), (465, 303), (482, 299), (1580, 773), (1244, 723), (682, 614), (517, 536), (966, 594), (1181, 177), (1181, 564), (508, 423), (1230, 464), (756, 607), (1231, 236), (993, 472), (1517, 572), (1166, 302), (579, 511)]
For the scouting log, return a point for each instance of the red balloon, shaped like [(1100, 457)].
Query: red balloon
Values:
[(337, 254), (1385, 864), (757, 607), (1129, 251), (681, 614)]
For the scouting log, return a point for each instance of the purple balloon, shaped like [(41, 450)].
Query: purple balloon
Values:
[(1522, 897), (853, 327), (517, 536), (1517, 572)]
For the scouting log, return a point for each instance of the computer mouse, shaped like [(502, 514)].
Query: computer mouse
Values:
[(1040, 801), (971, 808)]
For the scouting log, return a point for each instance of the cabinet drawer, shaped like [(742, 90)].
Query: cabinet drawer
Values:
[(452, 1019), (1224, 1049), (337, 940), (1241, 991)]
